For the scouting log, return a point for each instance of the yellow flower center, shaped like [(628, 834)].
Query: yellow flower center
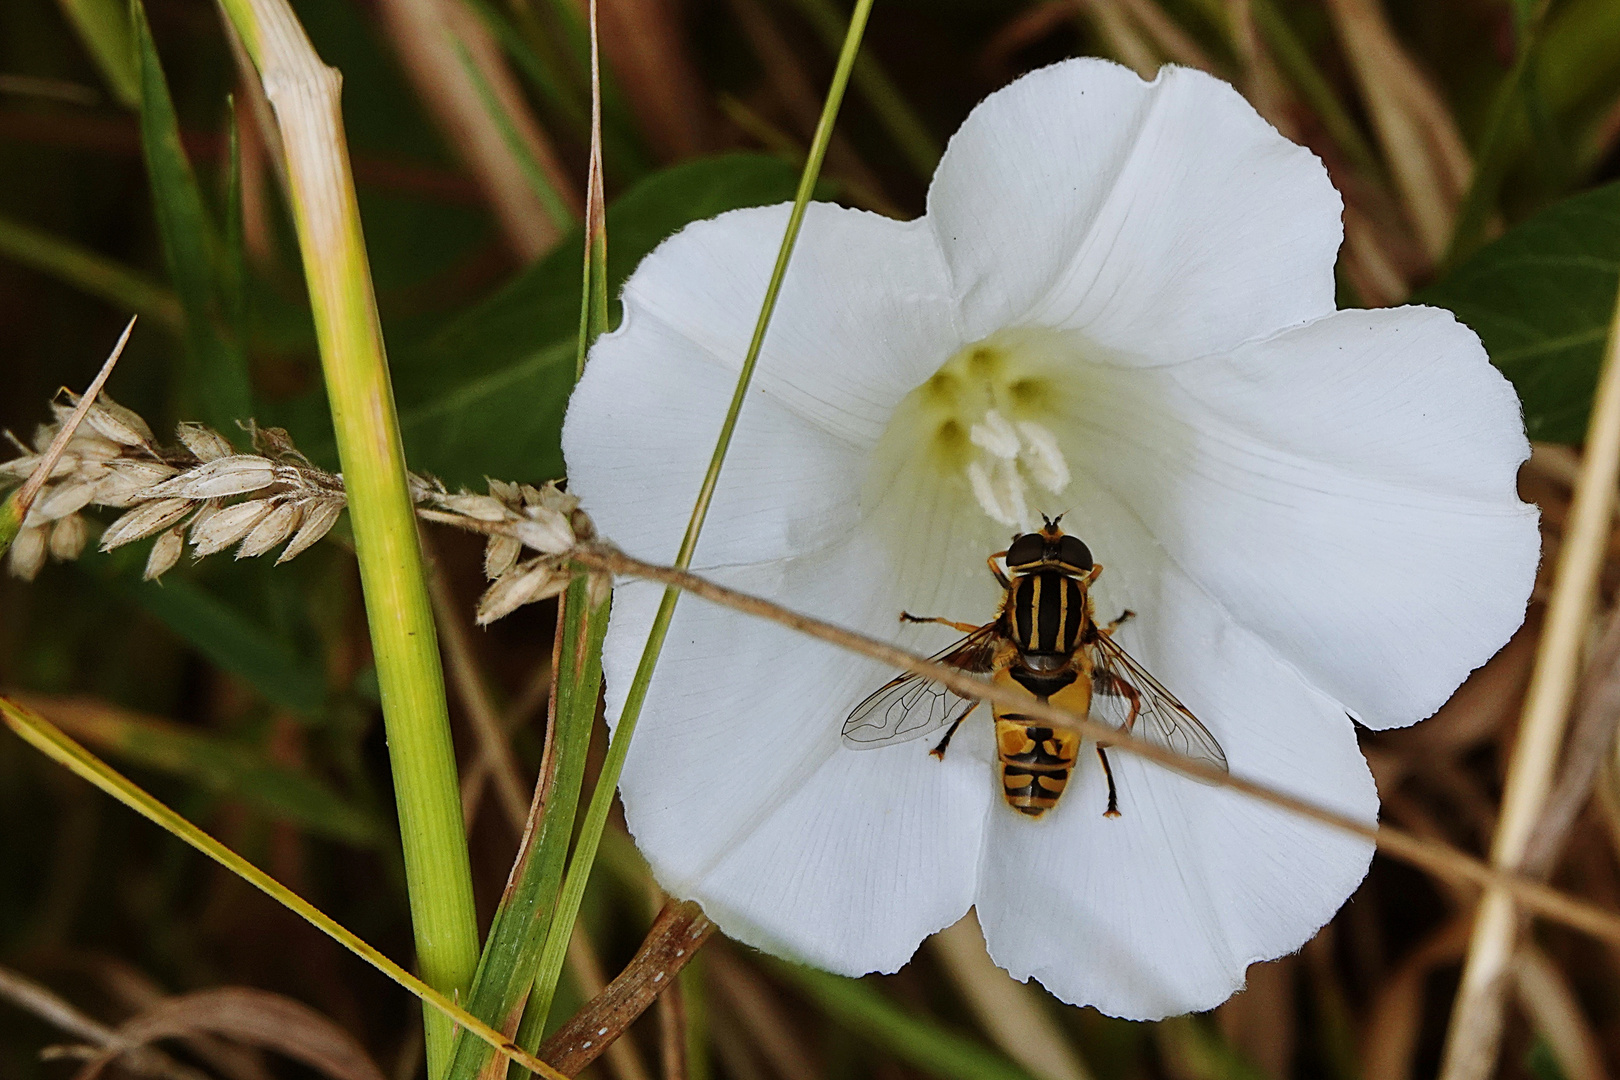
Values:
[(984, 419)]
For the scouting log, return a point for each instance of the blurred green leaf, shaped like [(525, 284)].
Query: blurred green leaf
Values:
[(220, 632), (217, 373), (221, 766), (862, 1007), (126, 289), (1541, 298), (485, 397), (103, 27)]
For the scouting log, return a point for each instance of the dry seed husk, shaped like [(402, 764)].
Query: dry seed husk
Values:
[(319, 517), (112, 421), (500, 555), (130, 481), (272, 529), (545, 530), (64, 499), (530, 583), (143, 521), (203, 441), (165, 553), (67, 538), (223, 527), (221, 478), (27, 553), (477, 507)]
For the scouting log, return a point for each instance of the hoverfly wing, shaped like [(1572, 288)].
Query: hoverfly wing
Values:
[(1125, 696), (910, 706)]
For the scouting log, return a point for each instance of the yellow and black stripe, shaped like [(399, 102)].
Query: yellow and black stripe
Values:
[(1035, 763), (1046, 613)]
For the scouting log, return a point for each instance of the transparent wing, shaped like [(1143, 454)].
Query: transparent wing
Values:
[(1125, 696), (910, 706)]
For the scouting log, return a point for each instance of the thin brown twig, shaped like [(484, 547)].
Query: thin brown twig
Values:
[(1432, 856), (676, 935)]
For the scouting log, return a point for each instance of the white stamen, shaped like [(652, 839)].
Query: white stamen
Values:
[(996, 436), (1042, 457), (986, 493), (1012, 484)]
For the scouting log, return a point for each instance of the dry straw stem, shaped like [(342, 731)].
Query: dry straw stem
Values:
[(1012, 1013), (304, 93), (1436, 857), (1476, 1019), (431, 37), (747, 996), (45, 737), (1422, 146), (646, 51)]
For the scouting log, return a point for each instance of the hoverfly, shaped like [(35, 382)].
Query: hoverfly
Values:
[(1045, 641)]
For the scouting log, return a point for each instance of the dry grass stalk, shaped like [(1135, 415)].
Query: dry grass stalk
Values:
[(1550, 1003), (792, 86), (1172, 41), (466, 675), (1012, 1013), (1389, 1038), (1124, 37), (436, 40), (1259, 1020), (759, 1014), (1422, 145), (1472, 1043), (646, 49), (586, 967)]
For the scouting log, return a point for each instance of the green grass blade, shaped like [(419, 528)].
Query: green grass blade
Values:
[(925, 1044), (223, 767), (518, 933), (49, 740), (103, 26), (596, 815), (216, 375), (73, 264)]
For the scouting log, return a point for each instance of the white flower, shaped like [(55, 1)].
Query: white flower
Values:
[(1119, 305)]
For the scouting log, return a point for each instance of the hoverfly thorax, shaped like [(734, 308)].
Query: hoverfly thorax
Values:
[(1045, 643)]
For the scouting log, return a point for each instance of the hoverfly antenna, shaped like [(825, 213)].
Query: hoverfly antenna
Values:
[(1049, 522), (1057, 520)]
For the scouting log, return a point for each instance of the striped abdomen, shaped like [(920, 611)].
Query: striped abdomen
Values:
[(1035, 764), (1045, 612)]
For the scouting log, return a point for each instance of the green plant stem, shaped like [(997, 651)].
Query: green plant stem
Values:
[(78, 266), (596, 815), (922, 151), (304, 93)]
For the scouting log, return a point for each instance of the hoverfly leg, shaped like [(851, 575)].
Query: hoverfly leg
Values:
[(939, 750), (1001, 578), (1113, 794), (966, 628), (1124, 617)]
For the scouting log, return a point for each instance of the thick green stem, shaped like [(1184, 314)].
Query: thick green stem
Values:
[(305, 95)]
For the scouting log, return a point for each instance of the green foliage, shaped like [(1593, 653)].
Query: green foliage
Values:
[(485, 396), (233, 769), (216, 370), (1541, 298), (926, 1044)]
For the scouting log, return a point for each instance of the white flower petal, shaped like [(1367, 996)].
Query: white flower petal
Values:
[(1160, 910), (741, 795), (864, 313), (1165, 219), (654, 404), (1345, 489)]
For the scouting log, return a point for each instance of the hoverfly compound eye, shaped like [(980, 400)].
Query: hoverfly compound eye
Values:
[(1026, 550), (1073, 553)]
